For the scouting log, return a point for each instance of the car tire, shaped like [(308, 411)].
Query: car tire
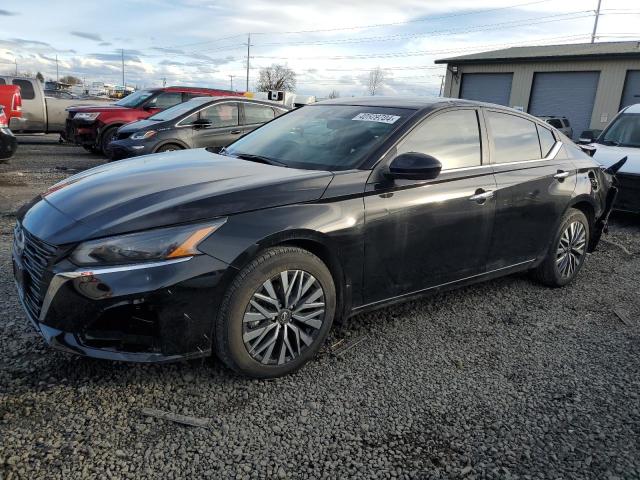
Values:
[(107, 136), (91, 148), (170, 147), (567, 251), (278, 343)]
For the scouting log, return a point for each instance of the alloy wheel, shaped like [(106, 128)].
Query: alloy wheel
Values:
[(571, 249), (283, 317)]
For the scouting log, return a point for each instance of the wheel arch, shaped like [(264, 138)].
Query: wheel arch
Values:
[(171, 141), (315, 242), (587, 205)]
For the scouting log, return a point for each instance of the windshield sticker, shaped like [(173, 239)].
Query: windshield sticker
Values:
[(376, 117)]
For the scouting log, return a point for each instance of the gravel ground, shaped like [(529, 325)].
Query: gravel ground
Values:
[(506, 379)]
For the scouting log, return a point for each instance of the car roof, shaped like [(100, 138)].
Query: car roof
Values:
[(414, 103), (203, 100), (633, 108)]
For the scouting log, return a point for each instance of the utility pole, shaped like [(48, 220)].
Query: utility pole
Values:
[(57, 74), (595, 23), (248, 56), (231, 78), (122, 57), (164, 81)]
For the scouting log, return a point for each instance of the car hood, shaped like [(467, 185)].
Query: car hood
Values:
[(105, 107), (139, 125), (607, 155), (164, 189)]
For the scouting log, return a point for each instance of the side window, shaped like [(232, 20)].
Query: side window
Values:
[(451, 137), (26, 89), (514, 138), (279, 111), (166, 100), (547, 141), (2, 82), (221, 115), (257, 113), (566, 122), (555, 123), (189, 120)]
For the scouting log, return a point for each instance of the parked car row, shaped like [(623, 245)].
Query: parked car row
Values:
[(324, 212), (8, 143), (200, 122), (95, 126)]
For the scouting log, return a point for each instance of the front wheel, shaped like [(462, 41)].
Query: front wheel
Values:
[(567, 251), (276, 314), (171, 147), (107, 137)]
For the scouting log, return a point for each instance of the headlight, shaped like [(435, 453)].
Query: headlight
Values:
[(143, 135), (159, 244), (90, 117)]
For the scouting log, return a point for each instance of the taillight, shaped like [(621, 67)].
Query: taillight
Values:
[(3, 120), (17, 103)]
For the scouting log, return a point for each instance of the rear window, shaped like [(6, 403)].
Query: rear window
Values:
[(26, 89), (547, 141), (515, 139)]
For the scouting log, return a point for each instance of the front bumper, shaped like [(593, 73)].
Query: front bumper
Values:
[(81, 132), (629, 192), (152, 312), (127, 148), (8, 143)]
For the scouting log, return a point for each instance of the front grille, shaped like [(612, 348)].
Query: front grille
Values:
[(36, 256)]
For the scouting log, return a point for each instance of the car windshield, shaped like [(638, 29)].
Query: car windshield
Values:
[(135, 99), (623, 132), (321, 137), (174, 112)]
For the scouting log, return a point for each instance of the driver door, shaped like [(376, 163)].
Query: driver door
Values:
[(222, 128), (422, 234)]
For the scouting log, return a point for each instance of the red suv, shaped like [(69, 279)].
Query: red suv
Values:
[(94, 127)]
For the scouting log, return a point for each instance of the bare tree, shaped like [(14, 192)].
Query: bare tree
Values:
[(377, 78), (70, 79), (334, 94), (40, 77), (277, 77)]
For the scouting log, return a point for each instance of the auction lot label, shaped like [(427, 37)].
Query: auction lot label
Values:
[(376, 117)]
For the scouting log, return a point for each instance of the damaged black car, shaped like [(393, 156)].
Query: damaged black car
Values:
[(333, 209)]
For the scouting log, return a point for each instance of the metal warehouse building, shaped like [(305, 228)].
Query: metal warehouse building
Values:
[(587, 83)]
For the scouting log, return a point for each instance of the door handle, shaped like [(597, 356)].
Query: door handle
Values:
[(235, 132), (481, 196), (561, 175)]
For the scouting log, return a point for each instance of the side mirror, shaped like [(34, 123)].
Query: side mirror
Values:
[(201, 123), (414, 166), (588, 149)]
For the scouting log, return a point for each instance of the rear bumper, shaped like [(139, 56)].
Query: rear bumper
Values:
[(152, 312), (8, 143)]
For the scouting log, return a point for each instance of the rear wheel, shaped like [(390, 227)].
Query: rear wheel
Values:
[(276, 313), (567, 251), (107, 136), (168, 148)]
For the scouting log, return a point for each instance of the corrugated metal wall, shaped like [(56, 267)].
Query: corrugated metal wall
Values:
[(631, 93), (608, 96)]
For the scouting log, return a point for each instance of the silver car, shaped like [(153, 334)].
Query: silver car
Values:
[(560, 123)]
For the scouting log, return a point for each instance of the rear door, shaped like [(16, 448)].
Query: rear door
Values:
[(223, 127), (255, 115), (535, 181), (33, 106), (420, 234)]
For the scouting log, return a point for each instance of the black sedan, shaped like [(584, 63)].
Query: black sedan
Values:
[(330, 210), (212, 122), (8, 142)]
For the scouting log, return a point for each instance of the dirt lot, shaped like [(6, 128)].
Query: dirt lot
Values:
[(505, 379)]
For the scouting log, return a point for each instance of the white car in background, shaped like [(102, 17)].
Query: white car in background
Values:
[(622, 139)]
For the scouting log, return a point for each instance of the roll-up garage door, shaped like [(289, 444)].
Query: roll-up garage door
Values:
[(569, 94), (631, 92), (487, 87)]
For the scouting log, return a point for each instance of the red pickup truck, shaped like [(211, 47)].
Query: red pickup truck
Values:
[(11, 100), (94, 127)]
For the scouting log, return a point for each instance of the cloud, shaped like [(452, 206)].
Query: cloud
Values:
[(104, 44), (89, 36), (7, 13)]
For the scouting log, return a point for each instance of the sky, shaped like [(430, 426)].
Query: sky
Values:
[(332, 45)]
